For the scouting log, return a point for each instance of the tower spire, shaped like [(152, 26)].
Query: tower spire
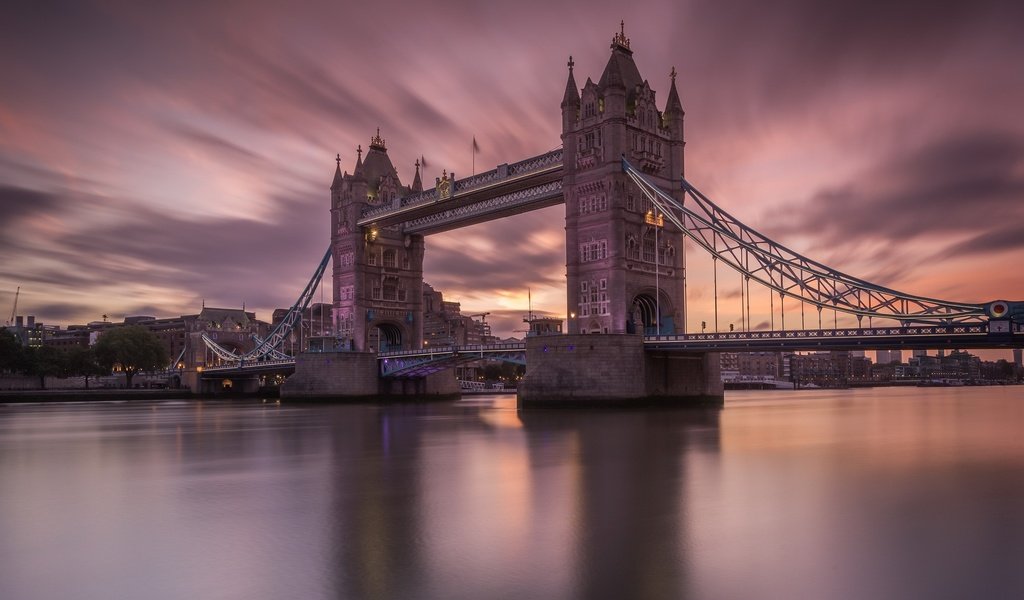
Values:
[(417, 184), (337, 174), (572, 93), (359, 161), (673, 106), (620, 38)]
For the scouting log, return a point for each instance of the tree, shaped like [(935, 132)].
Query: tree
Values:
[(45, 361), (133, 348), (12, 354), (81, 361)]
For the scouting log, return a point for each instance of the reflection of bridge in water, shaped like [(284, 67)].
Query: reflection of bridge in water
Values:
[(629, 218)]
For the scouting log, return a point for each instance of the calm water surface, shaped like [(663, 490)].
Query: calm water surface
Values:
[(878, 493)]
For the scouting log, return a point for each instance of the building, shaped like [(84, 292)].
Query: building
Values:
[(182, 337), (830, 369), (445, 325), (315, 330), (377, 272), (28, 331), (623, 265), (885, 357)]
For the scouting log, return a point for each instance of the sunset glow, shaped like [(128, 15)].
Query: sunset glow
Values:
[(156, 156)]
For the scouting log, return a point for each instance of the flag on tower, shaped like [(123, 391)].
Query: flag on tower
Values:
[(476, 150), (423, 161)]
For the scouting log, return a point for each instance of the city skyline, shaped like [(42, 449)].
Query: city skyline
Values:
[(151, 158)]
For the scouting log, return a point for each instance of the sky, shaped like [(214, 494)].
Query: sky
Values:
[(156, 156)]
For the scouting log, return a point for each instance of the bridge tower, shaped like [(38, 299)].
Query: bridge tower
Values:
[(623, 262), (377, 273)]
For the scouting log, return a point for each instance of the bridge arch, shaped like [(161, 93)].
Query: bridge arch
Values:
[(387, 336), (644, 310)]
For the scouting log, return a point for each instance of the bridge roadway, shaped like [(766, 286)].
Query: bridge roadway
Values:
[(509, 189), (962, 336), (419, 363)]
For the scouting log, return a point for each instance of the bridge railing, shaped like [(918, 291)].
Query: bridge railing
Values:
[(464, 349), (242, 365), (897, 331), (523, 168)]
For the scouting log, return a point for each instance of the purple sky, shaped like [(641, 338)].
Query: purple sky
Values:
[(153, 155)]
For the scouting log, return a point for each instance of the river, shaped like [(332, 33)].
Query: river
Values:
[(872, 493)]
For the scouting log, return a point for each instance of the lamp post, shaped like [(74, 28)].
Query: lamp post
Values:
[(657, 273)]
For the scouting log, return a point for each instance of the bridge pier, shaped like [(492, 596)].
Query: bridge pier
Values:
[(614, 370), (355, 376)]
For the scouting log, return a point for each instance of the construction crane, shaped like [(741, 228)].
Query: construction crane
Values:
[(15, 309)]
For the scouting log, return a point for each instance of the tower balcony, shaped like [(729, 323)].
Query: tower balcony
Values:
[(649, 162), (587, 158)]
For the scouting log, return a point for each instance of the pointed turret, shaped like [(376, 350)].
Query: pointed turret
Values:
[(673, 107), (620, 71), (572, 93), (378, 164), (338, 177), (358, 171), (417, 185)]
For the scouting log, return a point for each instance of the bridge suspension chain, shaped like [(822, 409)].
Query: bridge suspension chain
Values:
[(267, 349), (788, 272)]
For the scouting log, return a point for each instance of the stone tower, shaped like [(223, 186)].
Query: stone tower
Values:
[(378, 273), (623, 262)]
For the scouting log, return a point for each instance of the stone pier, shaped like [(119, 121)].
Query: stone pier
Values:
[(354, 376), (615, 370)]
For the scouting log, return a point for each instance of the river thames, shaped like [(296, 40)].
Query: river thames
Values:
[(873, 493)]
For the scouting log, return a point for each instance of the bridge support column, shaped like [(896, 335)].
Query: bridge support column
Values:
[(354, 376), (570, 371)]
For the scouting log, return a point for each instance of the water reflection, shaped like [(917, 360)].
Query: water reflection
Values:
[(845, 494), (625, 502)]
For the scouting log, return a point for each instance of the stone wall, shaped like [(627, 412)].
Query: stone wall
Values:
[(332, 375), (354, 376), (614, 370)]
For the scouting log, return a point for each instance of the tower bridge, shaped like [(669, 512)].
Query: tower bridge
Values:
[(620, 174)]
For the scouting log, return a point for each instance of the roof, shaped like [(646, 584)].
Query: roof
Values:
[(220, 315), (620, 71)]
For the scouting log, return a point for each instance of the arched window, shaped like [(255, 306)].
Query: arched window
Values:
[(648, 245), (390, 288)]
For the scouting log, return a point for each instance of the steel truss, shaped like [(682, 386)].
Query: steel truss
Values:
[(419, 363), (758, 258), (268, 349)]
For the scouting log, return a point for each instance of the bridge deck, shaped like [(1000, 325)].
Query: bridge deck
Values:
[(520, 187), (959, 336), (926, 337)]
